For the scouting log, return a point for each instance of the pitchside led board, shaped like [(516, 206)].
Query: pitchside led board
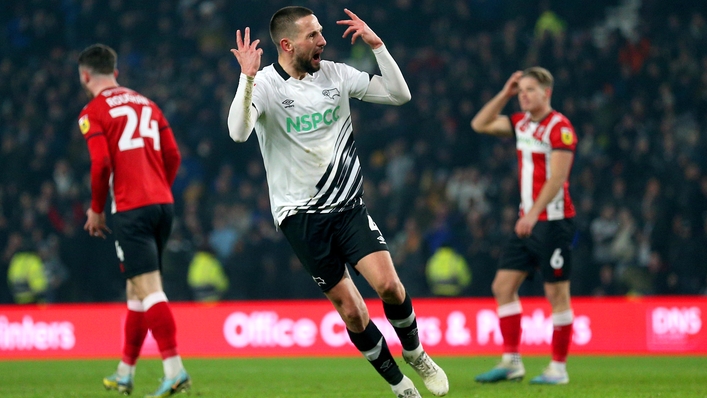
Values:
[(657, 325)]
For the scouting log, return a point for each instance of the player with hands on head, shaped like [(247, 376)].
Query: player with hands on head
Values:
[(134, 156), (545, 144), (299, 107)]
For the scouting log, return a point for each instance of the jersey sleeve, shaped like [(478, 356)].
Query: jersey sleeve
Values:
[(515, 118), (259, 100), (92, 131), (170, 151), (563, 136), (354, 81), (89, 122)]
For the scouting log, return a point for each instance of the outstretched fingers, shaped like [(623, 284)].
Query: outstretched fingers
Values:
[(348, 30), (355, 36), (247, 53), (351, 14), (243, 41), (355, 25), (246, 40)]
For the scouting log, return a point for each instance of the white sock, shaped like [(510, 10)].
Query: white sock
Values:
[(404, 384), (558, 366), (124, 369), (414, 354), (512, 357), (172, 366)]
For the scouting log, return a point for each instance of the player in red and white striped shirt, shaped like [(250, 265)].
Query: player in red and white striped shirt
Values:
[(134, 155), (545, 145)]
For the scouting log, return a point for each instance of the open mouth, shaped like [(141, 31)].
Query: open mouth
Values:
[(317, 56)]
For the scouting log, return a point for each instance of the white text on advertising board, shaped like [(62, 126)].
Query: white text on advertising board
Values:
[(31, 335), (268, 329), (674, 320)]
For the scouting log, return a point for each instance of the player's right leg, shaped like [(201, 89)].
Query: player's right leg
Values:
[(505, 289), (362, 245), (315, 240), (135, 331)]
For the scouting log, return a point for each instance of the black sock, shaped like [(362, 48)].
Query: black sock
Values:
[(373, 346), (403, 319)]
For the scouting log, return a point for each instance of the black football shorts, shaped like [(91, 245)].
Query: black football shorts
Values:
[(140, 238), (548, 249), (325, 243)]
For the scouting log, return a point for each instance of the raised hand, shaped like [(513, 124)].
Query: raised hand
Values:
[(248, 54), (510, 89), (359, 28)]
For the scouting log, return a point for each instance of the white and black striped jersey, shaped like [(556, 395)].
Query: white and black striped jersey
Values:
[(306, 138)]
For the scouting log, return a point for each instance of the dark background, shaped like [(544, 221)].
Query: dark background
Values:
[(633, 82)]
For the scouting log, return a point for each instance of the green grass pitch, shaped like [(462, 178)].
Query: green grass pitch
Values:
[(590, 376)]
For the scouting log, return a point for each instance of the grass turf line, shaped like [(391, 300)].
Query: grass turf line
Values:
[(590, 376)]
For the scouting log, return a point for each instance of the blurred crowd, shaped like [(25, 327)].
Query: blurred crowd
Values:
[(445, 197)]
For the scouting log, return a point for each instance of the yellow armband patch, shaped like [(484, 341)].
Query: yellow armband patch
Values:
[(85, 125), (566, 136)]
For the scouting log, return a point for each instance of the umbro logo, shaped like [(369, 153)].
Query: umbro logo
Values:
[(320, 281), (288, 103), (331, 93), (381, 240)]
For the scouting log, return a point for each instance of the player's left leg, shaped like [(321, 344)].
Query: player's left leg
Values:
[(379, 271), (558, 293), (366, 336), (554, 247), (140, 236)]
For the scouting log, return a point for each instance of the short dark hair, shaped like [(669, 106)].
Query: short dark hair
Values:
[(99, 59), (283, 21), (542, 75)]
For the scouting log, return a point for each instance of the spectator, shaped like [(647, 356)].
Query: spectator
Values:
[(27, 277), (206, 278), (608, 285), (447, 272), (603, 230)]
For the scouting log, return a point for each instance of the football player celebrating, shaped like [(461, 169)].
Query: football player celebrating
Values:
[(299, 107)]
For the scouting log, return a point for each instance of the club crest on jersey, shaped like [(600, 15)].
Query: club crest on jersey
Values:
[(538, 134), (331, 93), (84, 124), (566, 136), (523, 126)]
